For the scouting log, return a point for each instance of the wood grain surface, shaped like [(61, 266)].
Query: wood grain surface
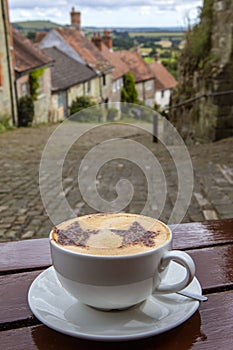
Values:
[(13, 301), (211, 246), (202, 234), (31, 254), (214, 271), (24, 255), (209, 328)]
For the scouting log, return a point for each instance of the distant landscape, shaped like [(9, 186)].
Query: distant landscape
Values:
[(150, 41), (32, 25)]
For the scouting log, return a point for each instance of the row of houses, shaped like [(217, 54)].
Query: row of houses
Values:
[(68, 65)]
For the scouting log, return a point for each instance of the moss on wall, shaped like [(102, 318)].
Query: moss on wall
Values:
[(206, 67)]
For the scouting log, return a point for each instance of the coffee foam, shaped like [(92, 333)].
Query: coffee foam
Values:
[(111, 234)]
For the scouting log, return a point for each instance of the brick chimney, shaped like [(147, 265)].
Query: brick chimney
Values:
[(97, 40), (75, 19), (107, 38)]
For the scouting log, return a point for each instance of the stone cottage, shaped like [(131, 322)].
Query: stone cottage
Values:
[(8, 106), (164, 83), (70, 79), (28, 59), (104, 44), (144, 77), (73, 43)]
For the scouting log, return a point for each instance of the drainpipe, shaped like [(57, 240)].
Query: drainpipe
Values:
[(5, 24)]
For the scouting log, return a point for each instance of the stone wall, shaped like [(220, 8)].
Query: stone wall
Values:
[(208, 118), (7, 93), (42, 104)]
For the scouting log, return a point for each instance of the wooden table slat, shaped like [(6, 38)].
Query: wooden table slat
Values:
[(209, 328), (202, 234), (214, 266), (22, 255), (211, 263), (30, 254), (13, 301)]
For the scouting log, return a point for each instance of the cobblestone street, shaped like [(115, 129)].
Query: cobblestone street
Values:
[(22, 213)]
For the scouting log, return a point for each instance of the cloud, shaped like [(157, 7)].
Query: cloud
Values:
[(30, 5), (162, 5), (114, 12)]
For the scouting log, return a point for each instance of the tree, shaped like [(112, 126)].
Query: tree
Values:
[(129, 92)]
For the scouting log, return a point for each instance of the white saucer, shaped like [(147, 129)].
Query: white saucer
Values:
[(57, 309)]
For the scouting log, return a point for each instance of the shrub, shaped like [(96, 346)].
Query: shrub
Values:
[(80, 111), (25, 111), (198, 39), (129, 92), (124, 95), (5, 123), (34, 78), (80, 103)]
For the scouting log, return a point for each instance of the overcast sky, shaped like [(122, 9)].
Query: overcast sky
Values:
[(108, 13)]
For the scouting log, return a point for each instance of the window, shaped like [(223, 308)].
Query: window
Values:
[(162, 93), (24, 89), (148, 85), (60, 99), (114, 86), (88, 87)]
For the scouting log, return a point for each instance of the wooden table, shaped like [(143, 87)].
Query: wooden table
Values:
[(211, 327)]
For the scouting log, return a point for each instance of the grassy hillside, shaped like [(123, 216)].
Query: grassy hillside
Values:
[(34, 26)]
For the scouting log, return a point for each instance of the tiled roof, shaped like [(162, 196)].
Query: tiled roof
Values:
[(163, 79), (27, 56), (120, 68), (66, 71), (86, 49), (136, 64)]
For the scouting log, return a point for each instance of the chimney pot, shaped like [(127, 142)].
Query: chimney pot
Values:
[(97, 40), (75, 18), (107, 39)]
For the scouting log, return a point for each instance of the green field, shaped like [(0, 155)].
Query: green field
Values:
[(145, 50), (149, 59), (34, 26), (161, 35)]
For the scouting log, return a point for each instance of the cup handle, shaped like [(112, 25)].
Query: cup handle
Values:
[(185, 260)]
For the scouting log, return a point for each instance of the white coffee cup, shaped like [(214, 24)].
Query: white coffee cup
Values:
[(119, 281)]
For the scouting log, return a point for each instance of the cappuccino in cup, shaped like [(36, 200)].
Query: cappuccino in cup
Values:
[(111, 234), (114, 261)]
